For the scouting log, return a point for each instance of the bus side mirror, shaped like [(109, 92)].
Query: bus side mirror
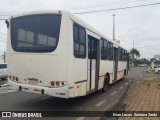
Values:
[(7, 23)]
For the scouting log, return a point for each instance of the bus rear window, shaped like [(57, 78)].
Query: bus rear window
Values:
[(35, 33)]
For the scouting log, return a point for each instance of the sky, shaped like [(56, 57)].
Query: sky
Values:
[(139, 24)]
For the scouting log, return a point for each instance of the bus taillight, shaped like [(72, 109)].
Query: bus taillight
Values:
[(13, 78), (16, 79), (62, 83), (57, 83), (52, 83)]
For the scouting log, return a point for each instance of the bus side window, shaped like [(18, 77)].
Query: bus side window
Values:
[(79, 38), (119, 53), (104, 49), (125, 55), (110, 51)]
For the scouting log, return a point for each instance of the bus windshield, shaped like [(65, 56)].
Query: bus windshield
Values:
[(35, 33)]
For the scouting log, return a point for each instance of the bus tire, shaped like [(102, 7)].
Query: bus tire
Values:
[(105, 84), (124, 74)]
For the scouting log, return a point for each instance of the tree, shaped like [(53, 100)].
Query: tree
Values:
[(142, 61), (134, 52)]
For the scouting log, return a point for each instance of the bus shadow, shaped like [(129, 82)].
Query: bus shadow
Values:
[(58, 104)]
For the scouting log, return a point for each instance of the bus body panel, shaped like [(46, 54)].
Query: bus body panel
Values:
[(106, 66), (61, 92), (26, 66)]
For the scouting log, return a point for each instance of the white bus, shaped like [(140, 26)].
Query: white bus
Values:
[(56, 54)]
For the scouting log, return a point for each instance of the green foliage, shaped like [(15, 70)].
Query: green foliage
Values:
[(134, 52), (142, 61), (2, 82)]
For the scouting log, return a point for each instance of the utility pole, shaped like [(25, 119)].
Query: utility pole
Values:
[(4, 57), (133, 52), (113, 26), (133, 44)]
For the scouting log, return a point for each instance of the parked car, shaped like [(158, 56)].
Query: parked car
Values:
[(143, 65), (156, 65), (157, 70), (3, 71)]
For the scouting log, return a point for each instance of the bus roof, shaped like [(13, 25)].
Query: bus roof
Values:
[(74, 18)]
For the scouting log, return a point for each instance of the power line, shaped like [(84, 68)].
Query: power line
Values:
[(147, 46), (4, 15), (110, 4), (122, 8), (2, 19)]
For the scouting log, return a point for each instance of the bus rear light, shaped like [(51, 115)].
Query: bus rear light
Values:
[(36, 90), (60, 93), (62, 83), (16, 79), (26, 88), (57, 83), (52, 83), (13, 78)]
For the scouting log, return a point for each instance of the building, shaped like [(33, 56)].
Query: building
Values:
[(157, 56)]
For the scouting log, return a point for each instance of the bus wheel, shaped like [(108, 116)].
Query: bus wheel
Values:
[(105, 84), (123, 75)]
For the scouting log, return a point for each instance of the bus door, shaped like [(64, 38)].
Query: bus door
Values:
[(93, 64), (115, 62)]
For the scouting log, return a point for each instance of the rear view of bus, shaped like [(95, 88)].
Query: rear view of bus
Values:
[(32, 54)]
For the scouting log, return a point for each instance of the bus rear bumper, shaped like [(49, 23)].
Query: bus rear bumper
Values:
[(61, 92)]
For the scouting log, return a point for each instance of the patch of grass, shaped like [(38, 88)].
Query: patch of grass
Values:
[(2, 82)]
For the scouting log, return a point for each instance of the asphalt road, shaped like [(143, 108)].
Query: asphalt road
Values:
[(21, 101)]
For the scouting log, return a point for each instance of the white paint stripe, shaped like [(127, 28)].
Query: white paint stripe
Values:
[(100, 103), (126, 83), (113, 93), (121, 87), (80, 118), (5, 88), (7, 91)]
